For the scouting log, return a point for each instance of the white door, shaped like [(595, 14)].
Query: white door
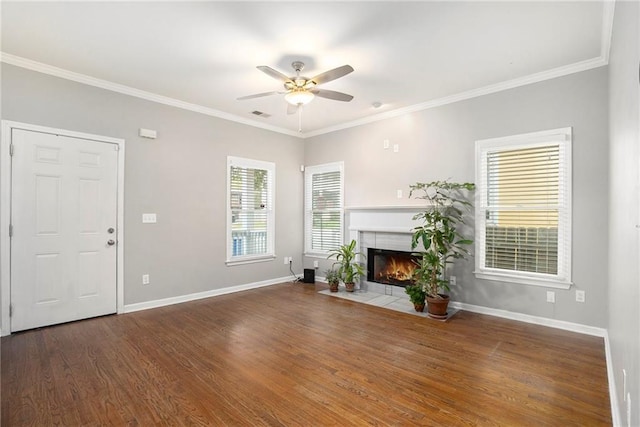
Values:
[(64, 217)]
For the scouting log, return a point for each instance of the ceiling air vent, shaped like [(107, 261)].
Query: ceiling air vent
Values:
[(260, 113)]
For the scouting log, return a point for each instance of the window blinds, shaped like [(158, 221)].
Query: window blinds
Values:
[(523, 209), (324, 210)]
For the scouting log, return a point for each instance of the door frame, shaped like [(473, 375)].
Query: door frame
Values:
[(5, 212)]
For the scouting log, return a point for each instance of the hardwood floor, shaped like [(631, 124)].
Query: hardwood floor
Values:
[(287, 356)]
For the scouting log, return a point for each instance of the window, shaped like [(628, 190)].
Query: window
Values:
[(523, 213), (323, 201), (250, 214)]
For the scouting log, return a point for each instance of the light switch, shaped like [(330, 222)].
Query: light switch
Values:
[(149, 218)]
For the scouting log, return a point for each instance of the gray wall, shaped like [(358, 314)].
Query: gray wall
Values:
[(181, 176), (439, 143), (624, 251)]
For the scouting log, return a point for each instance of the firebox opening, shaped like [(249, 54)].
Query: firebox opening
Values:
[(390, 267)]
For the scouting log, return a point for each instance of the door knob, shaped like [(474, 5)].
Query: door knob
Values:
[(111, 242)]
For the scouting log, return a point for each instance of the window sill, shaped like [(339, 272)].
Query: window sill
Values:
[(267, 258), (523, 280)]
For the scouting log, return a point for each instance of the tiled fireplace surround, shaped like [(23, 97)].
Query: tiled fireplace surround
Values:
[(382, 228)]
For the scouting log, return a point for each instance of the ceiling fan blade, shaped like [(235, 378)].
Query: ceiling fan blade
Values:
[(332, 94), (336, 73), (274, 73), (257, 95), (292, 109)]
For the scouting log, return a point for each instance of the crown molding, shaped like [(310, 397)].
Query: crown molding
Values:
[(40, 67), (486, 90), (608, 11)]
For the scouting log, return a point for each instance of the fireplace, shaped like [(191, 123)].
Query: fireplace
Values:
[(390, 267)]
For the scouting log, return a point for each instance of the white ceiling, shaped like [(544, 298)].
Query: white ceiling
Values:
[(406, 55)]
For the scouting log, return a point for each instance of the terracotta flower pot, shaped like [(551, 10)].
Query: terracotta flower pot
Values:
[(350, 286), (437, 307), (333, 286), (418, 307)]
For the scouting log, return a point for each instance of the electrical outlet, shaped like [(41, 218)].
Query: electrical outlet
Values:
[(290, 259), (385, 144), (149, 218), (579, 296), (145, 279), (452, 281), (551, 297), (315, 264), (396, 148), (399, 194)]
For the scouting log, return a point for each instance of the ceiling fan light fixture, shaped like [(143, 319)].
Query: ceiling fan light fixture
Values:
[(299, 97)]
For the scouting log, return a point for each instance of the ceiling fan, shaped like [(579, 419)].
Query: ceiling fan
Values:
[(300, 90)]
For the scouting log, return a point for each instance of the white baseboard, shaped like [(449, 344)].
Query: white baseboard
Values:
[(613, 396), (130, 308), (553, 323)]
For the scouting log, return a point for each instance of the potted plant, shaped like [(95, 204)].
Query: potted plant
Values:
[(439, 237), (333, 279), (348, 268), (417, 295)]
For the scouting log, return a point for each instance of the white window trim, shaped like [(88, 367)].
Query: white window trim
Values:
[(308, 172), (563, 279), (271, 169)]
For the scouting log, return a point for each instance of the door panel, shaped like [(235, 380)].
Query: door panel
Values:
[(49, 284), (47, 201), (88, 206), (63, 201), (88, 265)]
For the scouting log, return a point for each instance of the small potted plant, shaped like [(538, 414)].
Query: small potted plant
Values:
[(348, 267), (439, 237), (333, 279), (417, 295)]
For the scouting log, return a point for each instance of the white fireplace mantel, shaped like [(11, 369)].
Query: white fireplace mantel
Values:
[(383, 219)]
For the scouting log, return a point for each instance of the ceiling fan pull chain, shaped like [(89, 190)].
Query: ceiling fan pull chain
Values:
[(300, 118)]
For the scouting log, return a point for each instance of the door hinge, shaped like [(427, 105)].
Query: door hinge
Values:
[(11, 150), (10, 310), (117, 147), (10, 230)]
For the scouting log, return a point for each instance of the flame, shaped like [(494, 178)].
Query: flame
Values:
[(396, 270)]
